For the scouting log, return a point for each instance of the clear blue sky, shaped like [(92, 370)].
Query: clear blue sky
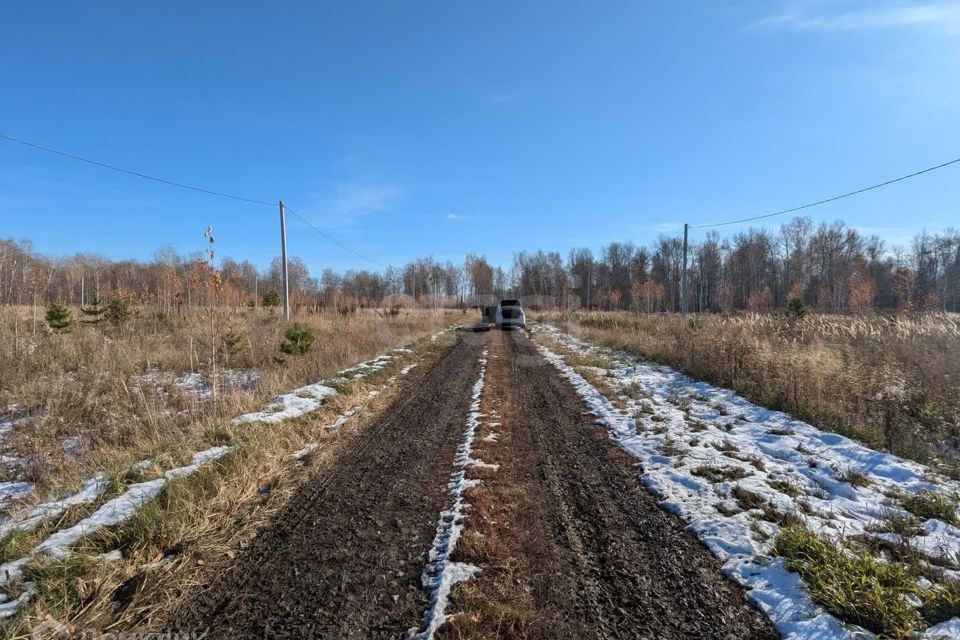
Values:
[(407, 129)]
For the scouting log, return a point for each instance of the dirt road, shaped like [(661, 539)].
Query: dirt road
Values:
[(344, 559), (600, 559)]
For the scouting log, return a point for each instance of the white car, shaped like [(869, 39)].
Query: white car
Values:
[(510, 314)]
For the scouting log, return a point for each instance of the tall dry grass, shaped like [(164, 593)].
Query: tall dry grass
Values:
[(890, 381), (178, 542), (85, 387), (84, 383)]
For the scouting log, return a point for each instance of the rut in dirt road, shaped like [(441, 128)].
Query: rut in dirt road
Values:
[(610, 563), (345, 557)]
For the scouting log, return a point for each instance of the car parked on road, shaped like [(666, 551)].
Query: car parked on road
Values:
[(509, 315)]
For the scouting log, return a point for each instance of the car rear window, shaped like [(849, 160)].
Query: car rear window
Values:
[(509, 303)]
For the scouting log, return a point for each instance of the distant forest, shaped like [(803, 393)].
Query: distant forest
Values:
[(832, 267)]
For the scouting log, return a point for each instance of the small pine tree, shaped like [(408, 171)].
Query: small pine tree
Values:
[(118, 311), (796, 308), (271, 299), (299, 340), (58, 317)]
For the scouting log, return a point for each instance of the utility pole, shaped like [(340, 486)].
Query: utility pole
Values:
[(589, 278), (683, 274), (283, 257)]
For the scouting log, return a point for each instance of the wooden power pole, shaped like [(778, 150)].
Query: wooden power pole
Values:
[(683, 274), (283, 258)]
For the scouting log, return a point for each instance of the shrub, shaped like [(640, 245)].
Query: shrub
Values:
[(58, 317), (299, 340), (855, 477)]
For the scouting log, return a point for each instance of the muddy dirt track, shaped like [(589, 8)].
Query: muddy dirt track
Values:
[(344, 559), (617, 566)]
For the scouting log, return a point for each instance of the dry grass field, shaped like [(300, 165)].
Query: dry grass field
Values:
[(97, 397), (101, 399), (892, 382)]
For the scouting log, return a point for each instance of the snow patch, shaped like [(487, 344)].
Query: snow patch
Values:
[(196, 384), (290, 405), (441, 574), (308, 399), (111, 513), (307, 450), (14, 490), (91, 490), (676, 426)]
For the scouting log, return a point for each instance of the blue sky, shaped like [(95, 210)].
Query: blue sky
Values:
[(408, 129)]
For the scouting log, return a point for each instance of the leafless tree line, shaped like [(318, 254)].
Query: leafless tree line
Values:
[(830, 267)]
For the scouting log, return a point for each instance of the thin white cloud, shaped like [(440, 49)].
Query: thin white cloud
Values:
[(457, 216), (355, 199), (342, 205), (827, 16)]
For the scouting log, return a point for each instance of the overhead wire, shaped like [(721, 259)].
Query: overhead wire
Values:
[(132, 173), (182, 185), (826, 200), (332, 239)]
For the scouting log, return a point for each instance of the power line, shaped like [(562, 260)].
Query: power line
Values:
[(833, 199), (332, 239), (181, 185), (132, 173)]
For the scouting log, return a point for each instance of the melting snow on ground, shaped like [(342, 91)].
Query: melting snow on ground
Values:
[(681, 431), (290, 405), (111, 513), (120, 509), (308, 399), (29, 520), (13, 490), (441, 573), (197, 384)]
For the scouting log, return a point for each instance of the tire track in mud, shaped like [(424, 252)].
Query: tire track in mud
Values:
[(344, 559), (611, 562), (598, 557)]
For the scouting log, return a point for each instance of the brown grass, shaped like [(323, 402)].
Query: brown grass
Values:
[(199, 522), (84, 383), (892, 382)]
